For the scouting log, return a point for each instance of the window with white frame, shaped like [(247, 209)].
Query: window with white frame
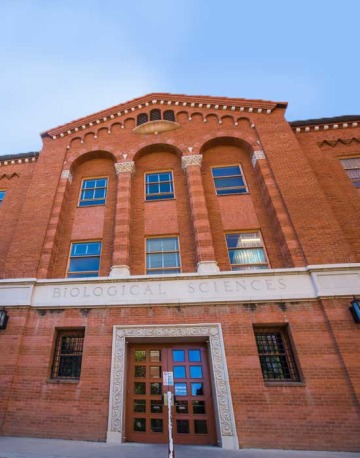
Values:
[(159, 186), (352, 168), (84, 259), (229, 180), (2, 195), (246, 251), (162, 256), (93, 192)]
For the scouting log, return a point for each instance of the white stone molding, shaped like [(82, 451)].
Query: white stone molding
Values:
[(122, 167), (218, 367), (207, 267), (120, 271), (191, 160), (66, 174), (256, 156)]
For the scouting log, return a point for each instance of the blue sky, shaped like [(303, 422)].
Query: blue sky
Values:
[(64, 59)]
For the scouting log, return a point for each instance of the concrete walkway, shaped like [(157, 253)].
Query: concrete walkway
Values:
[(22, 447)]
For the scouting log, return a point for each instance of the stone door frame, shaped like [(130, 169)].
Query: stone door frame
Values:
[(224, 413)]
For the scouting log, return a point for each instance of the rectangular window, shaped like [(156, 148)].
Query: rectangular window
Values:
[(93, 192), (84, 259), (229, 180), (2, 195), (68, 354), (159, 186), (352, 168), (276, 356), (162, 256), (246, 251)]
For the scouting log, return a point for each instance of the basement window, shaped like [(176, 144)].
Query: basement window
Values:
[(68, 354), (276, 356)]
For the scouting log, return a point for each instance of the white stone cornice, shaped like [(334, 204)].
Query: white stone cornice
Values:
[(67, 175), (191, 160), (256, 156), (122, 167), (307, 283)]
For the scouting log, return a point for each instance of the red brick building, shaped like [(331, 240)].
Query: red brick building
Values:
[(195, 244)]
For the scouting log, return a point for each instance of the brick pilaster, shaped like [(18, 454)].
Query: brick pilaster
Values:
[(121, 253), (199, 215)]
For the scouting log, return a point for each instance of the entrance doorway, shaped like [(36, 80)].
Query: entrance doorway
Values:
[(146, 414)]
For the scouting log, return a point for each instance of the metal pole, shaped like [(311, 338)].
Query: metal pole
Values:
[(171, 442)]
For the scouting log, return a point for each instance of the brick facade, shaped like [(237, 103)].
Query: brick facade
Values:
[(299, 198)]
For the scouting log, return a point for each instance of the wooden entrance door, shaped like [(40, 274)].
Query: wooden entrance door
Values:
[(193, 414)]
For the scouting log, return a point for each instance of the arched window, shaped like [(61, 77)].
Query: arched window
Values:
[(169, 115), (155, 115), (142, 118)]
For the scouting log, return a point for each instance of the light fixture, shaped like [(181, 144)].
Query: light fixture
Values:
[(355, 309), (3, 319)]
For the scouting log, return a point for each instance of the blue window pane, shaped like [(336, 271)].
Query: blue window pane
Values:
[(178, 356), (87, 194), (152, 178), (102, 183), (229, 182), (197, 389), (194, 356), (88, 184), (100, 193), (152, 189), (165, 187), (253, 256), (154, 261), (180, 389), (228, 191), (165, 176), (79, 249), (82, 275), (84, 264), (179, 372), (170, 259), (196, 372), (226, 171), (94, 248)]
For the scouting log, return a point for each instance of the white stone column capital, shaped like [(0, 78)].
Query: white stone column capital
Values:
[(66, 174), (122, 167), (195, 159), (256, 156)]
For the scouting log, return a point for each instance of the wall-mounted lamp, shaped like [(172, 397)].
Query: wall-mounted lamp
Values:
[(355, 309), (3, 319)]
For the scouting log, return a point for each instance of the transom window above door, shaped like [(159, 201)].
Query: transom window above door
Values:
[(229, 180), (93, 192), (162, 256), (159, 186)]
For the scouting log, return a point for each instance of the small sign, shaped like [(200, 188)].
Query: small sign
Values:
[(168, 378)]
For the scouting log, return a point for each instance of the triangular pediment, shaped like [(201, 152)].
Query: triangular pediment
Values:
[(135, 106)]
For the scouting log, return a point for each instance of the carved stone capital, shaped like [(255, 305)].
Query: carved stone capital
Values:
[(207, 267), (191, 160), (66, 174), (256, 156), (122, 167)]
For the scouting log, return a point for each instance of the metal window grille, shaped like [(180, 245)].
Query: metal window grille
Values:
[(68, 355), (155, 115), (276, 356), (352, 168), (142, 118), (169, 115)]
